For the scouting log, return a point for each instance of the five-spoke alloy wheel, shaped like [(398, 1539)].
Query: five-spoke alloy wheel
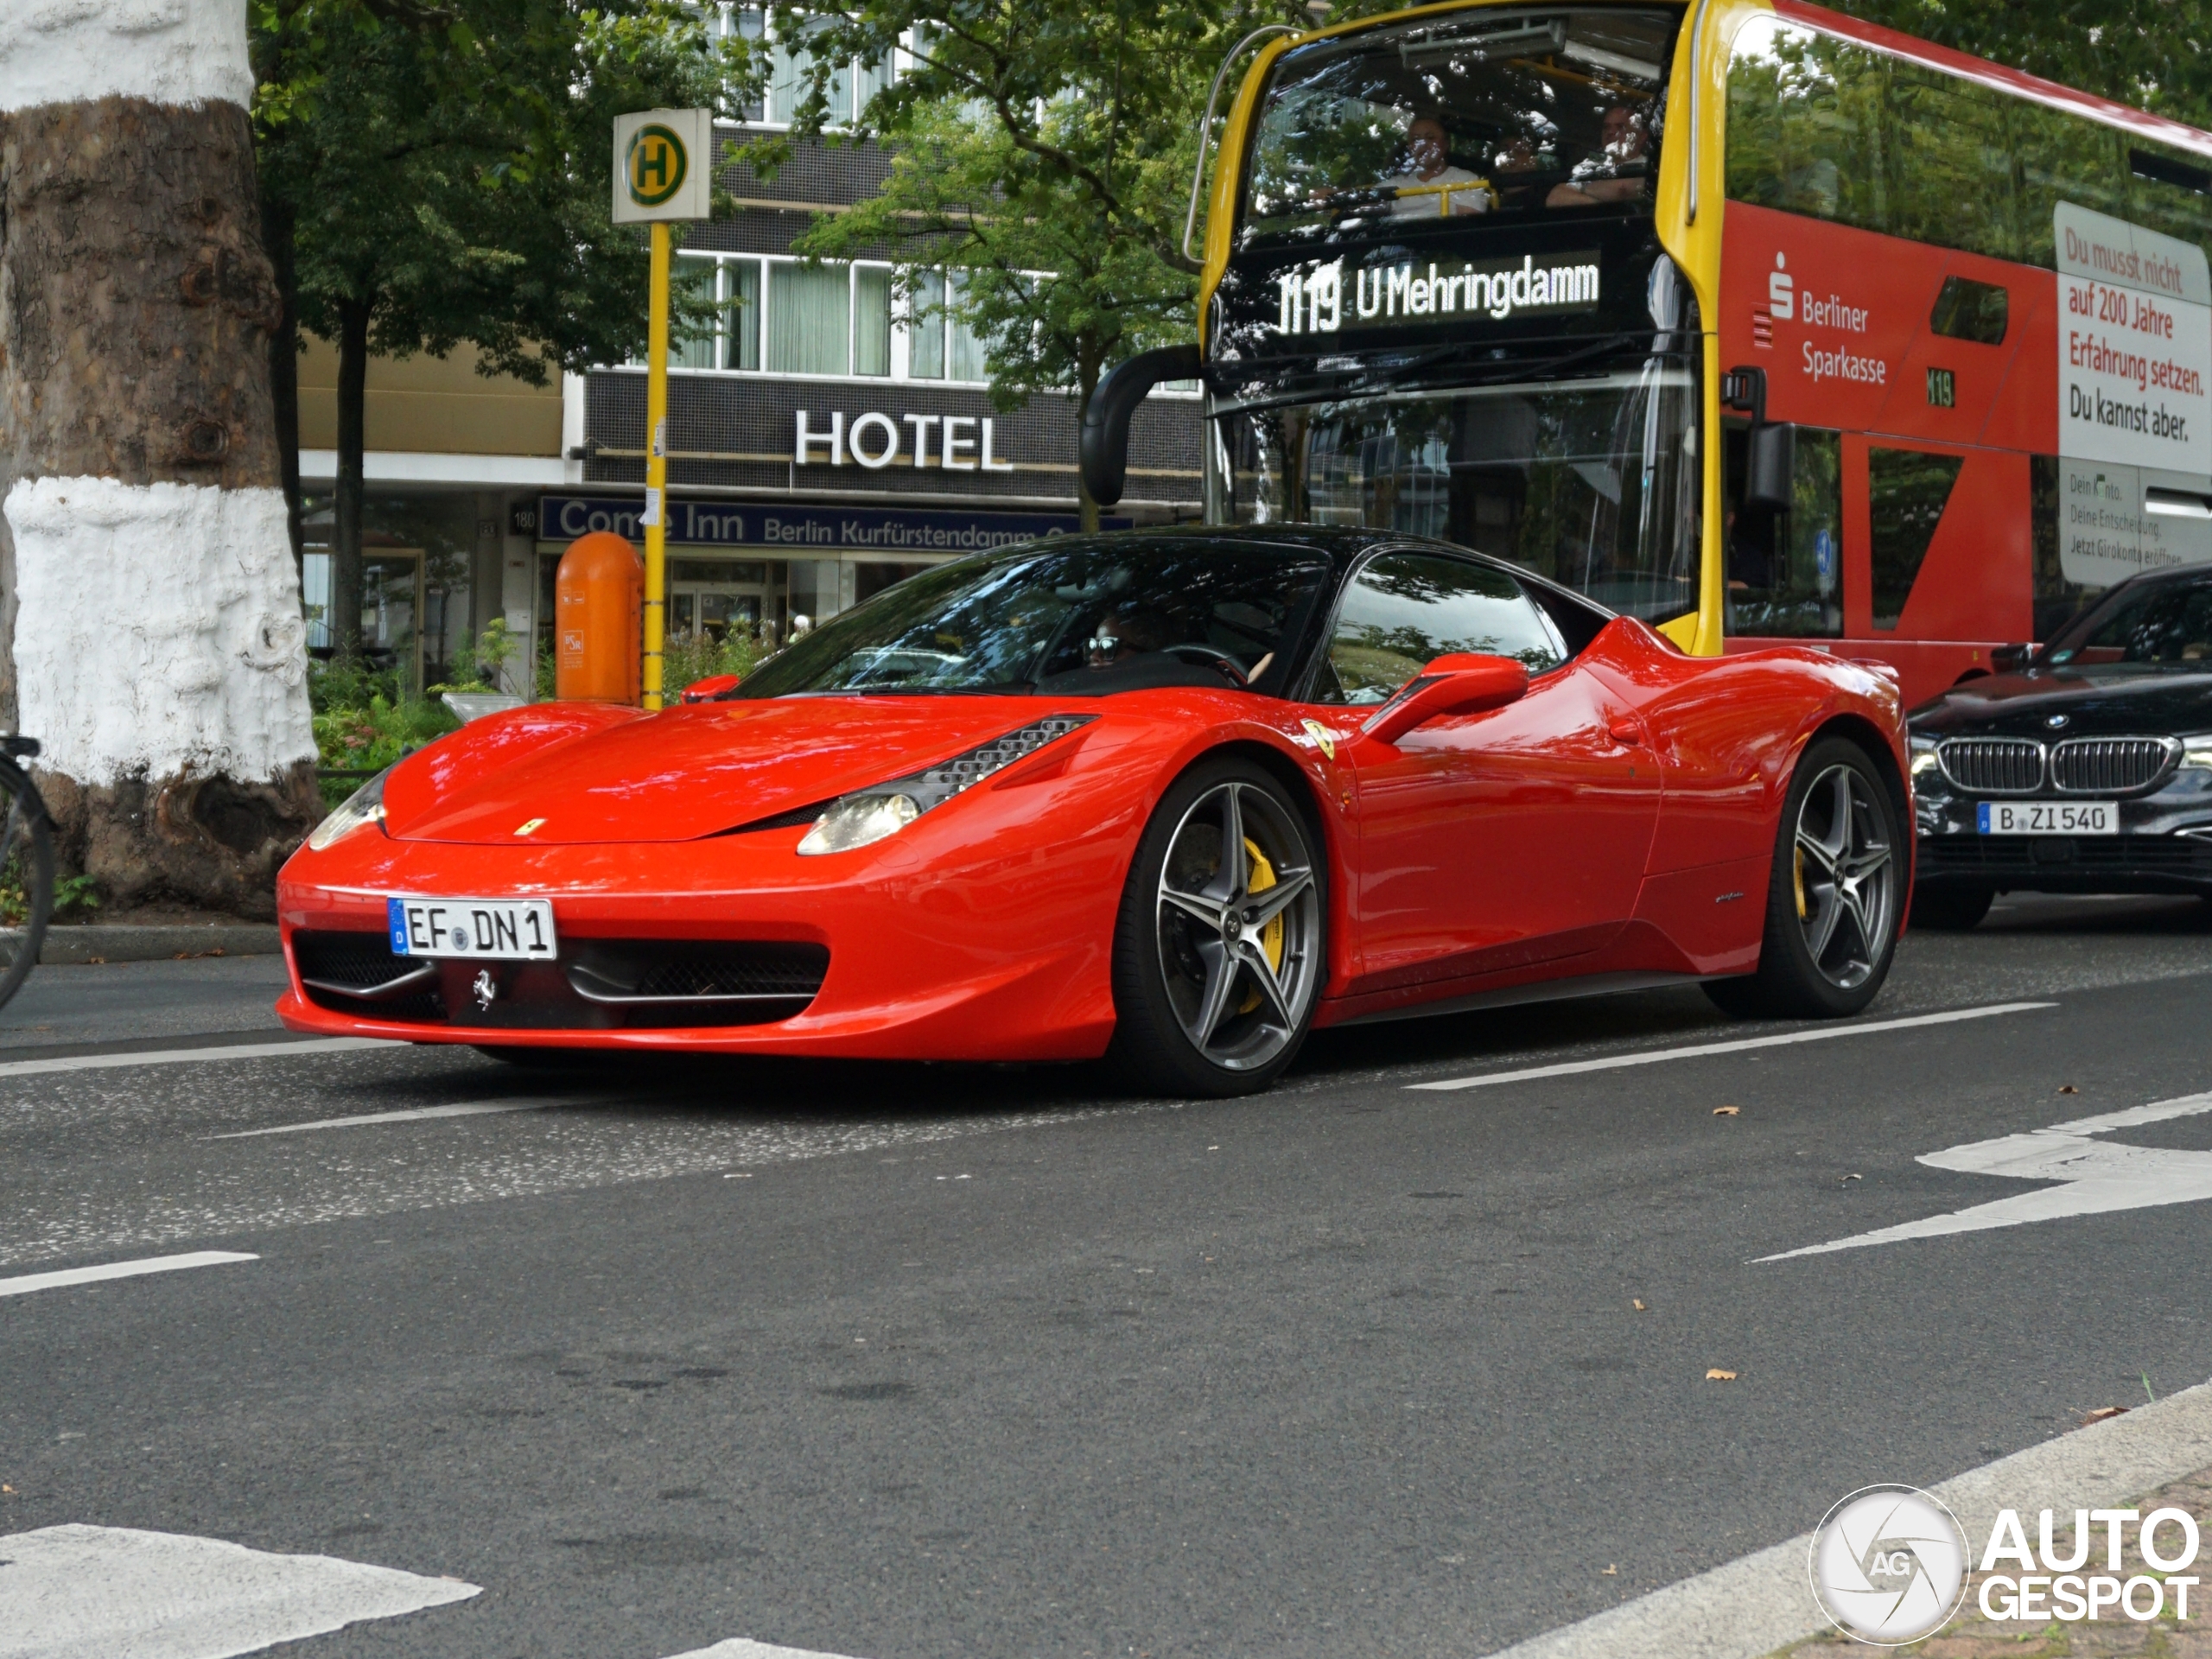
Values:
[(1832, 900), (1218, 956)]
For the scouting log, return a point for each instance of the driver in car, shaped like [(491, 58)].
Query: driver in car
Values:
[(1129, 631)]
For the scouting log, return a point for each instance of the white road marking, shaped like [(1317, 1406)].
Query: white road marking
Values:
[(99, 1593), (1754, 1606), (412, 1114), (1652, 1057), (739, 1647), (61, 1276), (2096, 1176), (180, 1056)]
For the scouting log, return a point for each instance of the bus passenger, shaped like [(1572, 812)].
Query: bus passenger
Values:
[(1428, 166), (1615, 172)]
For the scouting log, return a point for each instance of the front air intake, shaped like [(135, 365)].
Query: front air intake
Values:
[(2112, 765), (1993, 765)]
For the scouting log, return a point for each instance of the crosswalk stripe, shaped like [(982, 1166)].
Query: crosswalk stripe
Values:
[(96, 1592)]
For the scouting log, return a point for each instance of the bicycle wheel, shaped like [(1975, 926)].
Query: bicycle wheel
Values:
[(26, 878)]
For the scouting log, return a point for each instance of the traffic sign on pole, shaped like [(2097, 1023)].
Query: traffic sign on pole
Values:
[(663, 173)]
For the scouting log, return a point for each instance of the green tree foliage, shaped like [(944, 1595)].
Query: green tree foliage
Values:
[(1042, 152), (437, 174)]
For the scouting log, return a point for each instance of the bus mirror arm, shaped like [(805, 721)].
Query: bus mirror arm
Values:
[(1104, 450), (1771, 457)]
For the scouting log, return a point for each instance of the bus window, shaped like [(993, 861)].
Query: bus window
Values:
[(1530, 113), (1966, 309), (1907, 490), (1593, 483), (1785, 570), (1836, 130)]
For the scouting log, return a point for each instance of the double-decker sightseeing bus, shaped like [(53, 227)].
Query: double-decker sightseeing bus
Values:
[(1747, 319)]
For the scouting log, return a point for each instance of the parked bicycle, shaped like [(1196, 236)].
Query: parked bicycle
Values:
[(26, 866)]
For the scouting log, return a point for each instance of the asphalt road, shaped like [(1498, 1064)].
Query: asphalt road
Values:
[(898, 1362)]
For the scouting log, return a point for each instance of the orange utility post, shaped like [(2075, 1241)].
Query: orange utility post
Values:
[(598, 605)]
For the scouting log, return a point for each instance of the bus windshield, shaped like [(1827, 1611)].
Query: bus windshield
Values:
[(1593, 483), (1527, 113)]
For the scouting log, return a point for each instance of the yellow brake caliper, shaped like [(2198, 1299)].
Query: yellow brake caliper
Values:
[(1263, 877), (1797, 870)]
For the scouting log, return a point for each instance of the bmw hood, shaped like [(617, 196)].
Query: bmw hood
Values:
[(2070, 701), (698, 770)]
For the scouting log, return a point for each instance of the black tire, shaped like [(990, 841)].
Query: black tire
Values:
[(1950, 909), (1177, 969), (1794, 981), (25, 868)]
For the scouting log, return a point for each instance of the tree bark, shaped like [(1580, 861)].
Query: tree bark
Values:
[(1086, 384), (345, 509), (158, 652)]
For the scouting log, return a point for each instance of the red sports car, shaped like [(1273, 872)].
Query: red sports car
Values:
[(1174, 796)]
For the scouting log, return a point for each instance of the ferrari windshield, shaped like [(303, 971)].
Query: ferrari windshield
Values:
[(1071, 619)]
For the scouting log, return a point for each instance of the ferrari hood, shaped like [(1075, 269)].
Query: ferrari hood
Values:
[(704, 768)]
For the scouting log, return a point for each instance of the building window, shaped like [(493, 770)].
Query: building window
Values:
[(783, 317)]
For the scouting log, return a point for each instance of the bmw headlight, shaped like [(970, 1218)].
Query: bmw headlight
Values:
[(867, 816), (1923, 756), (2196, 753), (363, 805)]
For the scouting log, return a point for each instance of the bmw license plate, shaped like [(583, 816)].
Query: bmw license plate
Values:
[(507, 929), (2050, 818)]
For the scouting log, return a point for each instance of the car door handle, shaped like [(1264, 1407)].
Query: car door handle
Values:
[(1626, 732)]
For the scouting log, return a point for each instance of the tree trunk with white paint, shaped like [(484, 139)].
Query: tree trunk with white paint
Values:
[(158, 650)]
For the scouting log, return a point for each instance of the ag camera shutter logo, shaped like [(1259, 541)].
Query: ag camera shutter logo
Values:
[(1889, 1565)]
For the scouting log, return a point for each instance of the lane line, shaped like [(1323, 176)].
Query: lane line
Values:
[(178, 1056), (1652, 1057), (1759, 1603), (96, 1592), (2096, 1177), (413, 1114), (24, 1284), (742, 1647)]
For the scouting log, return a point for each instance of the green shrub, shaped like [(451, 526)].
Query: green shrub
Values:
[(686, 657), (362, 724)]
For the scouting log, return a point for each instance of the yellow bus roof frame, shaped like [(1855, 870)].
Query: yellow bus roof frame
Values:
[(1696, 87)]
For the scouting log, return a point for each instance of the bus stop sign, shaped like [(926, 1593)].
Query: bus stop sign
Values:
[(664, 165)]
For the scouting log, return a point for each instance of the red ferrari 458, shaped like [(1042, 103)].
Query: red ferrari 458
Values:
[(1174, 797)]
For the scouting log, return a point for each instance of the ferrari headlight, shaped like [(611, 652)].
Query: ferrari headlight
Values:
[(363, 805), (2196, 751), (859, 821), (868, 816)]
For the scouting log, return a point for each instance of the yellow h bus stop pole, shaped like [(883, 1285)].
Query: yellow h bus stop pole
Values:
[(656, 469), (664, 171)]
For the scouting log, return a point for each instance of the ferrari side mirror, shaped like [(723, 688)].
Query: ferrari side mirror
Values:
[(1461, 683), (708, 689)]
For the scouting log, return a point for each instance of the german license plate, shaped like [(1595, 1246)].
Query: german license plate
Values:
[(2050, 818), (506, 929)]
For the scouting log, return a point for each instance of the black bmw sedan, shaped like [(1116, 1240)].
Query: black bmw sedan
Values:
[(2087, 769)]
